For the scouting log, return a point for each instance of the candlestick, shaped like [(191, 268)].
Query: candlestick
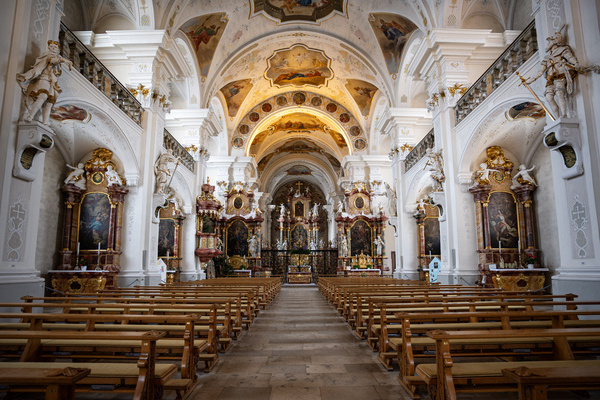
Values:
[(499, 246), (98, 255), (78, 248)]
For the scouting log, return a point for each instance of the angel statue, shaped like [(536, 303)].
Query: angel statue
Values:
[(40, 83), (522, 177), (482, 175), (77, 176), (112, 177)]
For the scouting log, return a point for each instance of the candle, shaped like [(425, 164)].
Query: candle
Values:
[(500, 246), (98, 251), (78, 248)]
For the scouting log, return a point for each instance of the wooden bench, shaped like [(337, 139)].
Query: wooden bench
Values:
[(145, 378), (57, 383), (447, 377)]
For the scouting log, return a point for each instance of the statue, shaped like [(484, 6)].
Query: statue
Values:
[(312, 245), (40, 83), (163, 171), (560, 67), (321, 244), (281, 245), (340, 207), (378, 245), (482, 175), (219, 244), (76, 177), (281, 211), (436, 166), (315, 210), (522, 177), (112, 177), (344, 246), (392, 199), (253, 246)]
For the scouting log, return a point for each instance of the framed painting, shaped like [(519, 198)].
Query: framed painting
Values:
[(503, 220), (360, 236), (431, 235), (237, 239), (299, 237), (94, 221), (166, 237)]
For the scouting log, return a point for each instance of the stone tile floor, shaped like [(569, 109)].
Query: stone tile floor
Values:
[(299, 348)]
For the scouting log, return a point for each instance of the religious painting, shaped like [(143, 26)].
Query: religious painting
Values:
[(237, 239), (355, 131), (244, 129), (298, 10), (299, 209), (235, 93), (238, 142), (360, 144), (337, 138), (316, 101), (527, 109), (503, 220), (299, 146), (298, 66), (297, 122), (205, 33), (431, 230), (392, 32), (362, 92), (94, 221), (166, 237), (69, 113), (207, 225), (299, 237), (360, 236), (299, 170)]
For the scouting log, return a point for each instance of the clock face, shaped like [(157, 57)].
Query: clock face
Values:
[(97, 177), (359, 202), (238, 203)]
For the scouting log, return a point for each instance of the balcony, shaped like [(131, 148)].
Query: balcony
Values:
[(419, 151), (170, 142), (515, 55), (98, 75)]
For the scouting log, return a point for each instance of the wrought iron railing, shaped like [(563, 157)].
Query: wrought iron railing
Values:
[(98, 75), (170, 142), (428, 142), (519, 51)]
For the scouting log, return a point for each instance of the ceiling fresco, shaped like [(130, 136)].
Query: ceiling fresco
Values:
[(392, 32), (235, 93), (298, 66), (362, 92), (298, 10), (205, 32)]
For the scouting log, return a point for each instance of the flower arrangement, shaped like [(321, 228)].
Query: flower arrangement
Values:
[(83, 263), (530, 259)]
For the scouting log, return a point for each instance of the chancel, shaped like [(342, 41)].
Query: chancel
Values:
[(230, 153)]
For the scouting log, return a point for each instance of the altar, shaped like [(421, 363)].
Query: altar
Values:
[(514, 279), (78, 281), (299, 274), (363, 272)]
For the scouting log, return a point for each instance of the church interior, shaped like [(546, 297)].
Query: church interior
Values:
[(302, 144)]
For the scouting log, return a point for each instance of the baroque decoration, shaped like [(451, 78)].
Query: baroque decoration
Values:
[(298, 66), (298, 10)]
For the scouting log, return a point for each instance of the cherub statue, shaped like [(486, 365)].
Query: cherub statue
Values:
[(112, 177), (482, 175), (522, 177), (77, 176), (164, 169), (40, 83)]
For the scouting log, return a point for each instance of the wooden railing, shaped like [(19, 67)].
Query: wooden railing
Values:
[(428, 142), (98, 75), (519, 51), (170, 142)]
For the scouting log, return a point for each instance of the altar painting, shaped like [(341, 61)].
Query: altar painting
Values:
[(237, 239), (235, 93), (299, 237), (166, 237), (392, 32), (298, 66), (360, 236), (205, 33), (432, 237), (503, 220), (94, 221)]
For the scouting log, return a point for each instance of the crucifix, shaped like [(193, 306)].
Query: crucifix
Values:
[(298, 186)]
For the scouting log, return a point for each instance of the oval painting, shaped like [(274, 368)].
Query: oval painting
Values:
[(238, 203), (344, 118), (267, 107), (253, 116), (244, 129), (355, 130), (360, 144), (331, 108), (316, 101), (299, 98), (359, 202), (238, 142), (281, 101)]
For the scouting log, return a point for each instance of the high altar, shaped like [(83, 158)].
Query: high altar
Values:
[(508, 253)]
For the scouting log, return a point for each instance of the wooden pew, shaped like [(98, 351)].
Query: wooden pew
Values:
[(57, 383)]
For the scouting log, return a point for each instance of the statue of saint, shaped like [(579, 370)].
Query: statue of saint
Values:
[(253, 246), (77, 176), (378, 245), (436, 166), (344, 246), (40, 83), (163, 170)]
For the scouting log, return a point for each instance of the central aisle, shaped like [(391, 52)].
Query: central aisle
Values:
[(297, 349)]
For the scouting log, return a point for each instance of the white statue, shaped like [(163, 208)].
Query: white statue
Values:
[(76, 177), (435, 163), (219, 244), (281, 211), (392, 199), (112, 177), (284, 245), (340, 207), (344, 246), (315, 210), (164, 168), (312, 245), (40, 83), (255, 211), (378, 245), (522, 177), (482, 175), (253, 246), (321, 244)]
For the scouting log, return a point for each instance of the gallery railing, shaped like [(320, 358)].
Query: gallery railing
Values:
[(419, 151), (519, 51), (170, 142), (92, 69)]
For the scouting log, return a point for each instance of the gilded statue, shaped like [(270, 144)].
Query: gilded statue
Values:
[(40, 83)]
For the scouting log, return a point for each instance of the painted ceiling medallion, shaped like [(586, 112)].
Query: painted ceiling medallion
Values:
[(298, 10), (298, 66)]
